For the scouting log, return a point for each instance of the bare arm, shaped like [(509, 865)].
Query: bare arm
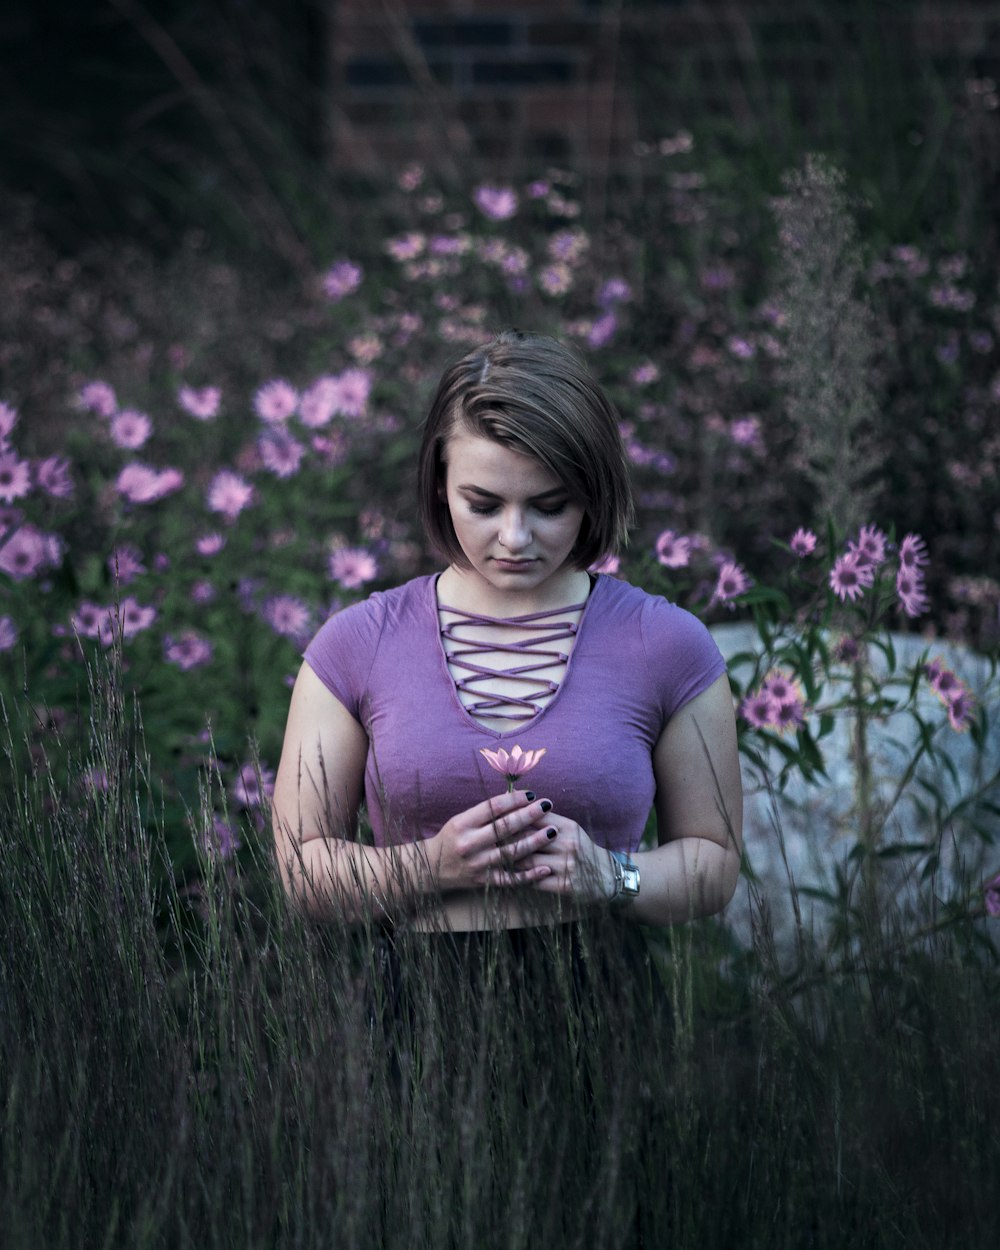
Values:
[(317, 794)]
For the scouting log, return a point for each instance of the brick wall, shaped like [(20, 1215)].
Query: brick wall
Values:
[(505, 86)]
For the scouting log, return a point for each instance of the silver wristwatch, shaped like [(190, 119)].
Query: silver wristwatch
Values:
[(626, 877)]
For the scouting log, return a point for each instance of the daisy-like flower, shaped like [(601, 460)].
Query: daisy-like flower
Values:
[(202, 592), (229, 494), (249, 789), (130, 429), (733, 581), (609, 564), (187, 650), (912, 552), (991, 896), (869, 547), (406, 246), (88, 619), (98, 397), (319, 402), (960, 710), (603, 330), (15, 477), (209, 544), (287, 616), (141, 484), (53, 477), (515, 262), (568, 246), (556, 279), (353, 388), (614, 291), (803, 542), (222, 840), (125, 564), (8, 419), (512, 764), (351, 567), (8, 633), (673, 550), (745, 432), (643, 374), (910, 590), (280, 453), (132, 617), (849, 579), (25, 552), (496, 203), (201, 403), (342, 279), (759, 710), (275, 401)]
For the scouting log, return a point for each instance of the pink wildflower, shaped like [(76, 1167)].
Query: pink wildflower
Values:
[(910, 589), (991, 895), (25, 552), (87, 620), (673, 551), (319, 402), (54, 477), (512, 764), (125, 564), (287, 616), (609, 564), (8, 633), (130, 429), (8, 419), (849, 579), (945, 684), (556, 279), (132, 618), (614, 291), (643, 374), (960, 710), (209, 544), (229, 494), (733, 581), (202, 592), (250, 789), (352, 567), (223, 839), (869, 546), (803, 542), (188, 650), (201, 403), (353, 389), (141, 484), (98, 397), (406, 246), (912, 552), (275, 401), (15, 477), (745, 432), (759, 710), (342, 279), (603, 330), (497, 203), (280, 453), (568, 246)]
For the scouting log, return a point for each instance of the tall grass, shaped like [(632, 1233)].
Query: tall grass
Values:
[(205, 1068)]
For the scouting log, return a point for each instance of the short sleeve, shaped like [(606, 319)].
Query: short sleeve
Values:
[(343, 651), (682, 655)]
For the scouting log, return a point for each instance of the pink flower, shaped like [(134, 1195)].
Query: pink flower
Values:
[(912, 552), (130, 429), (319, 403), (209, 544), (614, 291), (15, 477), (991, 893), (869, 546), (223, 840), (276, 401), (25, 552), (353, 389), (229, 494), (759, 710), (568, 245), (406, 246), (910, 589), (497, 203), (202, 592), (98, 397), (202, 403), (341, 279), (745, 432), (8, 633), (188, 650), (131, 618), (609, 564), (556, 279), (849, 579), (960, 710), (512, 764), (141, 484), (603, 330), (280, 453), (88, 619), (803, 542), (287, 616), (643, 374), (733, 581), (352, 567), (125, 564), (943, 681), (673, 551), (54, 478), (250, 789)]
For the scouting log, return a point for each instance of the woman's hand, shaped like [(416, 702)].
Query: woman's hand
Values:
[(579, 869), (491, 844)]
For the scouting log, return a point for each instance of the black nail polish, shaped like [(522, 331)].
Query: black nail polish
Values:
[(529, 795), (550, 834), (545, 805)]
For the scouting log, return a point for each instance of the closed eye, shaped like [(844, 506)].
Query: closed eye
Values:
[(487, 511)]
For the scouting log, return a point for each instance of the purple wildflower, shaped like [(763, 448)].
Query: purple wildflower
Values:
[(280, 453), (991, 896), (353, 388), (98, 397), (209, 544), (53, 477), (643, 374), (201, 403), (250, 788), (25, 552), (125, 564), (912, 552), (287, 616), (960, 710), (229, 494), (8, 419), (607, 564), (556, 279), (130, 429), (319, 402), (342, 279), (496, 203), (275, 401), (869, 547), (849, 579), (614, 291), (8, 633), (223, 839), (15, 477), (352, 567), (673, 551), (803, 542), (132, 618), (911, 593), (733, 581), (759, 710), (406, 246), (141, 484), (603, 330), (187, 650)]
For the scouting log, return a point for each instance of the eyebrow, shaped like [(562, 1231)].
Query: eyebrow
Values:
[(488, 494)]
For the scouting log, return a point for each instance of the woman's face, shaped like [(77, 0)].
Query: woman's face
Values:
[(515, 522)]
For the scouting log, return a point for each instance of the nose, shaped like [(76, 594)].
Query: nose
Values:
[(514, 533)]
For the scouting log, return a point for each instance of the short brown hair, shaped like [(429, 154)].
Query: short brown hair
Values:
[(536, 396)]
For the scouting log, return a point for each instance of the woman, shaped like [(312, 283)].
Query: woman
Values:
[(523, 483)]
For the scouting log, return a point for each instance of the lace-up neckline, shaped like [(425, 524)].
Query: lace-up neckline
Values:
[(518, 693)]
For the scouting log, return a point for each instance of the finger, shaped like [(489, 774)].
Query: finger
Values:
[(512, 826), (510, 852), (530, 876)]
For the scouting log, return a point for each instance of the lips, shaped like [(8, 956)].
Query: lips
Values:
[(513, 564)]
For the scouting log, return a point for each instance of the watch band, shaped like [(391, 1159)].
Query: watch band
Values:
[(626, 877)]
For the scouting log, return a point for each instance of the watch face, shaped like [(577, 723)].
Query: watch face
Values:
[(630, 879)]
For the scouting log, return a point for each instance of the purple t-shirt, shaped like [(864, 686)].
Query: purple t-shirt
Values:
[(637, 659)]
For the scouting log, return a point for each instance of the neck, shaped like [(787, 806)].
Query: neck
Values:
[(459, 589)]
